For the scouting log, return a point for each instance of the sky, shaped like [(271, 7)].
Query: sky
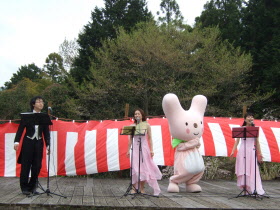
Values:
[(32, 29)]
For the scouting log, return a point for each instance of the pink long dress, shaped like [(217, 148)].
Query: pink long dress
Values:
[(149, 171), (250, 167)]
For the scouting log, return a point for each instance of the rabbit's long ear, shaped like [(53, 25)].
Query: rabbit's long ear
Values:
[(199, 103), (171, 105)]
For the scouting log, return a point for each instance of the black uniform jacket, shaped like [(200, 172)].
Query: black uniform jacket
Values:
[(29, 123)]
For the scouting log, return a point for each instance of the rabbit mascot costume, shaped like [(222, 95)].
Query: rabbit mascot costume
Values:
[(186, 128)]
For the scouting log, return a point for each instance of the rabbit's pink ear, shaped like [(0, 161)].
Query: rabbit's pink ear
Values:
[(171, 105), (199, 103)]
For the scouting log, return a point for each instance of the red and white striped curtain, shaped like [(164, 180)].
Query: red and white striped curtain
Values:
[(94, 147)]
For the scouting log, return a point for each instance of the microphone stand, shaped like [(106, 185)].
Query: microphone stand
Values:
[(47, 191), (131, 186), (244, 133), (138, 191), (245, 191), (255, 193), (139, 168)]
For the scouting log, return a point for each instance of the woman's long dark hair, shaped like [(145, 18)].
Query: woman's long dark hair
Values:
[(245, 116), (142, 113)]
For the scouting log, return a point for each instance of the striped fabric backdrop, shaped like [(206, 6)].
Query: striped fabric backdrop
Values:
[(94, 147)]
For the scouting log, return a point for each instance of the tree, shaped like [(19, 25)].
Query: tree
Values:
[(69, 51), (132, 64), (54, 67), (254, 26), (30, 71), (16, 100), (59, 98), (139, 68), (227, 15), (103, 25), (261, 38), (172, 13)]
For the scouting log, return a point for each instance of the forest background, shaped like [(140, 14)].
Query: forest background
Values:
[(125, 56)]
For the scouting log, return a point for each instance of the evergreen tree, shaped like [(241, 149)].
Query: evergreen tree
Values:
[(16, 100), (139, 68), (261, 38), (226, 14), (171, 10), (103, 25), (30, 71), (54, 67), (62, 102), (253, 25)]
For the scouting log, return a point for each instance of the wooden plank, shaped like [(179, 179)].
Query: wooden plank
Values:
[(185, 202), (89, 192), (69, 190), (77, 197), (181, 200), (99, 199), (88, 198), (10, 191), (54, 196), (108, 194), (140, 199), (89, 182), (116, 186), (134, 200), (27, 200), (177, 199), (57, 187)]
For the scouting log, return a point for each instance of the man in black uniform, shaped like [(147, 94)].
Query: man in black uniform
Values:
[(31, 153)]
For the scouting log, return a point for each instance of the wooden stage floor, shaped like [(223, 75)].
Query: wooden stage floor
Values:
[(93, 193)]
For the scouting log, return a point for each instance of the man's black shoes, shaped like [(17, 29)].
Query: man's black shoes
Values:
[(35, 193), (25, 192)]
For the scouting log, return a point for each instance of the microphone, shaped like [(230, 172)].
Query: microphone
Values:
[(137, 119), (49, 108), (252, 123)]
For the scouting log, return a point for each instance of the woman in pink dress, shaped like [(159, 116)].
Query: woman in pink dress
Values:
[(251, 143), (149, 171)]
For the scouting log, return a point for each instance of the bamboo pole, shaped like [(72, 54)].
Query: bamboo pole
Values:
[(126, 110), (244, 110)]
